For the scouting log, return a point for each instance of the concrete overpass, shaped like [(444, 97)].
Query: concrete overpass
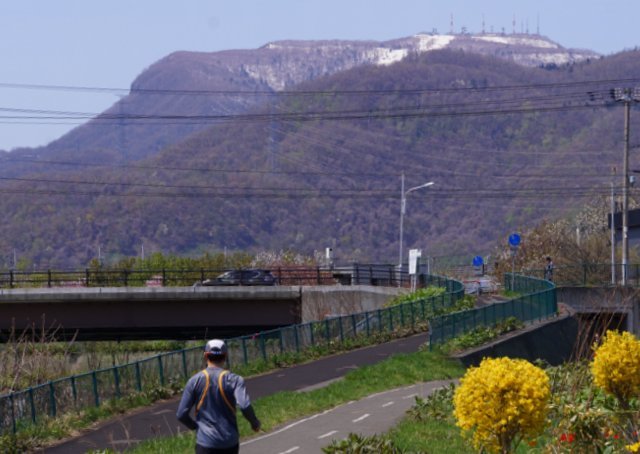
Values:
[(132, 312), (615, 307), (177, 312)]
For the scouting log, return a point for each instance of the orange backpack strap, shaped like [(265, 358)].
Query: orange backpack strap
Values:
[(224, 396), (204, 393)]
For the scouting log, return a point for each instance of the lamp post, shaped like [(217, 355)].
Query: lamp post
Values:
[(403, 207), (626, 96)]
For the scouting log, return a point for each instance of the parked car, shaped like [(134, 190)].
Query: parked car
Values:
[(243, 277)]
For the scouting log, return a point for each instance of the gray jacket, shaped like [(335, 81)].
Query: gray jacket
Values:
[(215, 422)]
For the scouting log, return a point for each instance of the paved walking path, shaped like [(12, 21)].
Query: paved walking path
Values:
[(159, 419), (375, 414)]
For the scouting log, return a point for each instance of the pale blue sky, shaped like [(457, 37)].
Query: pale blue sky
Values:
[(108, 43)]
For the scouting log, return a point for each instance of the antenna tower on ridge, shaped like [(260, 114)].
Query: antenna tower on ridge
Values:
[(513, 25), (483, 23), (451, 25)]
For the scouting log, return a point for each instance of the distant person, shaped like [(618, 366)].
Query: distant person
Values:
[(215, 392), (548, 269)]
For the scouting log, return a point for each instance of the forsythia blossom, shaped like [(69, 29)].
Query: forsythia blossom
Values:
[(501, 401), (634, 447), (616, 365)]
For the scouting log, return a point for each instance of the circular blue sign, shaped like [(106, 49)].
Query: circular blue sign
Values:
[(477, 261), (514, 239)]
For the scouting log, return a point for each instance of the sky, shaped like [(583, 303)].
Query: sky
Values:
[(102, 43)]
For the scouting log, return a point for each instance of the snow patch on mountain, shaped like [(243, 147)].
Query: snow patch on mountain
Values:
[(432, 42), (518, 41), (385, 57)]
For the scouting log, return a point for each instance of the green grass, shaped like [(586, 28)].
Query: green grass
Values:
[(432, 436), (398, 370)]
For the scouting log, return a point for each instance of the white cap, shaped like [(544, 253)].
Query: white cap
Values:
[(216, 347)]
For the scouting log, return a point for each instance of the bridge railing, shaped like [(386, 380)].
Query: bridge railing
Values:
[(352, 274), (30, 406), (591, 274), (537, 302)]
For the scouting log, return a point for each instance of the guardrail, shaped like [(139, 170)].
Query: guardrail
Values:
[(538, 302), (30, 406), (353, 274)]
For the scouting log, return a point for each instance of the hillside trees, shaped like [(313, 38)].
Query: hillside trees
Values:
[(303, 184)]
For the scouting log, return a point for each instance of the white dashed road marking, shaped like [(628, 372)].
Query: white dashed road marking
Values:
[(328, 434), (365, 416), (295, 448), (387, 404)]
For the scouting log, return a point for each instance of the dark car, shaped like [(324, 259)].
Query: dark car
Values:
[(243, 277)]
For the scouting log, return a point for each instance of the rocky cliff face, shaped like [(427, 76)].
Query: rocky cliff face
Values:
[(283, 64)]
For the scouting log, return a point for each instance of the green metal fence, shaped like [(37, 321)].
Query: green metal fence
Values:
[(591, 274), (538, 302), (30, 406)]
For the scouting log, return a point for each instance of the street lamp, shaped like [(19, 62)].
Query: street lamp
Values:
[(403, 207), (626, 96)]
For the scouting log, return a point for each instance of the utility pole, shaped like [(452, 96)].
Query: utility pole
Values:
[(626, 96), (613, 235)]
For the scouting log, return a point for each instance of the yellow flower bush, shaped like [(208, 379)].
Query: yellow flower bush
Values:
[(616, 365), (502, 401)]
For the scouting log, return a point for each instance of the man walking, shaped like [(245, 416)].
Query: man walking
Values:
[(215, 392), (548, 269)]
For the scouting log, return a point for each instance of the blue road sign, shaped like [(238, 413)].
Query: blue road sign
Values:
[(477, 261), (514, 240)]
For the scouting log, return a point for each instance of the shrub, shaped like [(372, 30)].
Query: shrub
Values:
[(420, 294), (354, 443), (616, 366), (482, 335), (501, 402)]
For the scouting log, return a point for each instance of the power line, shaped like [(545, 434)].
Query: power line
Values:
[(411, 91)]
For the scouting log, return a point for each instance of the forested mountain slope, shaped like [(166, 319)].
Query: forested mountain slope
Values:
[(506, 145)]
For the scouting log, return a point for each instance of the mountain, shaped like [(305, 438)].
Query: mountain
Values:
[(187, 84), (506, 145)]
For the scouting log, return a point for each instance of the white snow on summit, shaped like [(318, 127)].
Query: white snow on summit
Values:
[(517, 40), (433, 42)]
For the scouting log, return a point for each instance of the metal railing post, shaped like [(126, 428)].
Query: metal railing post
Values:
[(96, 397), (13, 413), (32, 405), (263, 347), (116, 381), (138, 377), (161, 370), (74, 390), (244, 350)]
